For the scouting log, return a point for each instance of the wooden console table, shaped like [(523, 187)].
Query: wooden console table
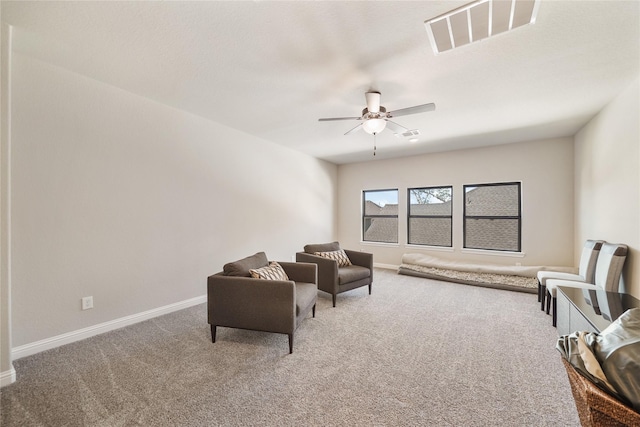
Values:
[(590, 310)]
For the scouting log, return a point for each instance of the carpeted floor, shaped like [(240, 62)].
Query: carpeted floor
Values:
[(417, 352)]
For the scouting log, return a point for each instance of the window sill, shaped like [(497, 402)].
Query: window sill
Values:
[(430, 248), (382, 244), (495, 253)]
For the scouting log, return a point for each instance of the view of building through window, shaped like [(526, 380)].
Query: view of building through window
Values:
[(492, 216), (430, 216), (380, 216)]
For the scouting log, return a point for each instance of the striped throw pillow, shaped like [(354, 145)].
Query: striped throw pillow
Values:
[(340, 256), (273, 271)]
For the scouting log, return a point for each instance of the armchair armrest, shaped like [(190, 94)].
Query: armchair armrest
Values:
[(301, 272), (248, 303), (327, 270), (363, 259)]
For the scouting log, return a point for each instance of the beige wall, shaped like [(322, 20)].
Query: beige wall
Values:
[(135, 203), (7, 373), (607, 180), (545, 169)]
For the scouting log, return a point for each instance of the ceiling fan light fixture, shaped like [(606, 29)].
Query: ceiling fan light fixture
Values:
[(373, 126)]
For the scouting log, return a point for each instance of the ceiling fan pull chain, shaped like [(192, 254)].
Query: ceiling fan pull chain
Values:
[(374, 145)]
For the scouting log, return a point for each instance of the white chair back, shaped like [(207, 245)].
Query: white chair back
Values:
[(588, 260), (609, 266)]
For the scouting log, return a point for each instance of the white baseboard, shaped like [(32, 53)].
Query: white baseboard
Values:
[(7, 377), (80, 334), (387, 266)]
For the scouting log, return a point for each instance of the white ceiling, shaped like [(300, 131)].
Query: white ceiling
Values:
[(271, 69)]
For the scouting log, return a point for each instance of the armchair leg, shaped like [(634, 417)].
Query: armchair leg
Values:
[(334, 299), (213, 333), (539, 289), (313, 310), (549, 297), (290, 343), (543, 293), (370, 284), (555, 311)]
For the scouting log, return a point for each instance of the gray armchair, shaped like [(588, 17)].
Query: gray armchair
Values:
[(335, 279), (237, 300)]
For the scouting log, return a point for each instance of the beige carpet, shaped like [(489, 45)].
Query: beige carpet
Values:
[(417, 352)]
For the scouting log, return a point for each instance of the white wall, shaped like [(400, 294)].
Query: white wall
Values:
[(7, 372), (607, 181), (135, 203), (545, 169)]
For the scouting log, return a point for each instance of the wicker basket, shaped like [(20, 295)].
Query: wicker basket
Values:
[(595, 407)]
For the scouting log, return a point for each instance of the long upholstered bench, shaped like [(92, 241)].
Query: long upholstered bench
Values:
[(510, 277)]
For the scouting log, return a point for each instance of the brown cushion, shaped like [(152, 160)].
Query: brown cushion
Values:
[(322, 247), (242, 266), (273, 271), (306, 294), (352, 273), (339, 256)]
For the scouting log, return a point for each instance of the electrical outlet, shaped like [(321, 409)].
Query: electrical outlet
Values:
[(87, 303), (518, 264)]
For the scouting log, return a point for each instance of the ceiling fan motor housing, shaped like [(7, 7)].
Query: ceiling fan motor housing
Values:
[(366, 114)]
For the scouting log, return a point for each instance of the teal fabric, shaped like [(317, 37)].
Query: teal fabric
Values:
[(617, 350)]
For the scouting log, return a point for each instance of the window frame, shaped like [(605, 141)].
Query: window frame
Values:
[(409, 216), (516, 217), (364, 217)]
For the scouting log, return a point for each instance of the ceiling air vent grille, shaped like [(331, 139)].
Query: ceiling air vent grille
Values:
[(479, 20), (413, 132)]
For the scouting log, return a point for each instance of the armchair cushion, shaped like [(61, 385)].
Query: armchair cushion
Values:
[(271, 272), (340, 256), (306, 294), (241, 267), (322, 247), (352, 273)]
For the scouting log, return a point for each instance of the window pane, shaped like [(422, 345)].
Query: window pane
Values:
[(429, 212), (382, 197), (430, 231), (492, 200), (430, 201), (382, 230), (492, 216), (380, 216), (496, 234)]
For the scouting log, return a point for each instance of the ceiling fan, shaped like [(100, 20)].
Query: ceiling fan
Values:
[(375, 117)]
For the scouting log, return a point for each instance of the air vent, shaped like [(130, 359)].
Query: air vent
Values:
[(409, 133), (477, 21), (413, 132)]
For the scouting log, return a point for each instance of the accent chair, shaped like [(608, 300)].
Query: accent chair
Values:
[(339, 270), (607, 275), (253, 293), (586, 271)]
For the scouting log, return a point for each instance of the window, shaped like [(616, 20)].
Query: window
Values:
[(429, 212), (380, 216), (492, 216)]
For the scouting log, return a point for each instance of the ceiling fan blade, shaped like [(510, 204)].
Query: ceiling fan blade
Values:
[(373, 101), (354, 129), (413, 110), (396, 128), (339, 118)]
